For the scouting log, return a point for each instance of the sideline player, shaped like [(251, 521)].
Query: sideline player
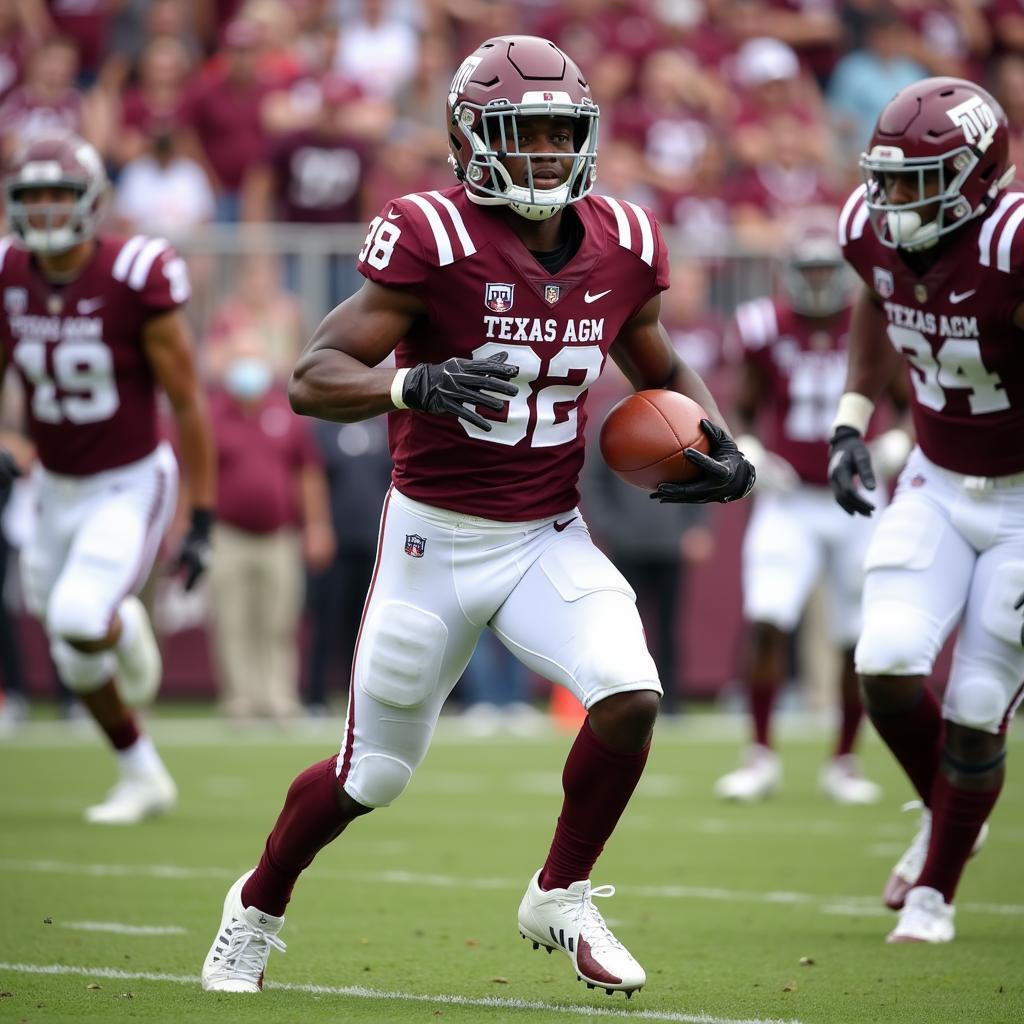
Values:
[(501, 297), (92, 324), (943, 266), (793, 365)]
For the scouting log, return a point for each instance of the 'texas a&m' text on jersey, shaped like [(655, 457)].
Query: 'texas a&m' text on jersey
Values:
[(89, 388), (486, 293), (954, 326)]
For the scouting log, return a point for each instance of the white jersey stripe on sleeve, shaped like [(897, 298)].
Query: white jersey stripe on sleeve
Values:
[(988, 228), (144, 262), (622, 221), (128, 252), (1006, 238), (466, 242), (441, 239), (860, 218), (646, 233), (844, 218), (5, 245)]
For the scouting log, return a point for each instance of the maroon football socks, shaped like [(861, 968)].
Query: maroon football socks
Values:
[(915, 736), (598, 782), (310, 819), (122, 734), (957, 817), (851, 713), (761, 695)]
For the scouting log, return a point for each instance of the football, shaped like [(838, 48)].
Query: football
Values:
[(644, 436)]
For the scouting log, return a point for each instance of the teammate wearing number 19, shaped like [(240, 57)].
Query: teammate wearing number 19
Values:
[(92, 324), (943, 266), (501, 298)]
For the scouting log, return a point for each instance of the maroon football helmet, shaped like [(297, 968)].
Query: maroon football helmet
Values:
[(813, 274), (59, 160), (509, 77), (944, 128)]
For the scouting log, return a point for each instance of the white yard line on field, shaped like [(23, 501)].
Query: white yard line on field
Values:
[(828, 904), (359, 992), (117, 928)]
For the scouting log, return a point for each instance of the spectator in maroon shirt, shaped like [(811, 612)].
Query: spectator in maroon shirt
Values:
[(225, 113), (47, 100), (1008, 88), (671, 119), (1006, 18), (316, 175), (774, 95), (14, 46), (272, 514), (156, 103), (84, 21)]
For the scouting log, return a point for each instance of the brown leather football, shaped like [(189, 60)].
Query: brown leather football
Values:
[(644, 436)]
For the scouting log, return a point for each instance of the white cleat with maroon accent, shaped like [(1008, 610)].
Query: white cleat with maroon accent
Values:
[(567, 919), (238, 956), (925, 917), (137, 796), (907, 869)]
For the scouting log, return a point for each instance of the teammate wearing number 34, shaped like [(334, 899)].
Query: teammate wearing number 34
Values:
[(937, 235), (502, 298)]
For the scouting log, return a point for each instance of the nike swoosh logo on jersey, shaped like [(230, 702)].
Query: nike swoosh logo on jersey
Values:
[(593, 298), (559, 527), (392, 215), (87, 306), (956, 297)]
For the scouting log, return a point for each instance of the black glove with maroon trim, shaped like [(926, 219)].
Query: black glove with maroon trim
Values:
[(848, 457), (726, 475), (457, 384), (194, 557)]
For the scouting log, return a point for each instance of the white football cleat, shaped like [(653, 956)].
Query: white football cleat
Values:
[(135, 797), (139, 668), (238, 956), (567, 919), (842, 780), (908, 868), (759, 777), (925, 917)]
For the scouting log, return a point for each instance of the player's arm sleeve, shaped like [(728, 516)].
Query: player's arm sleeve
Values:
[(393, 253), (164, 284)]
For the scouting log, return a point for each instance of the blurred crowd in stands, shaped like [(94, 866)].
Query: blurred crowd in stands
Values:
[(727, 117), (723, 115)]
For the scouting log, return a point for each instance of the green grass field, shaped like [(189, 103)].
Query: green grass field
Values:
[(767, 913)]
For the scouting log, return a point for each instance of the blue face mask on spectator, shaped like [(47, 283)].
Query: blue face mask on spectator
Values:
[(248, 379)]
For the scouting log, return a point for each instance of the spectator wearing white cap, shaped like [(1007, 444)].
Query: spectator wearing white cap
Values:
[(774, 93)]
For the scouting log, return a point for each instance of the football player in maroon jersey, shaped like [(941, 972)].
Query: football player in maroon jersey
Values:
[(501, 298), (793, 351), (92, 324), (937, 235)]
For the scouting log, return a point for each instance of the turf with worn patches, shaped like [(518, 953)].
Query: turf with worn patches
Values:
[(756, 913)]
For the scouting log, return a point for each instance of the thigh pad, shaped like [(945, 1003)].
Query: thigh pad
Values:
[(401, 652)]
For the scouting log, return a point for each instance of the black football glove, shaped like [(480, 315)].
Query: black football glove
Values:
[(848, 457), (726, 474), (194, 557), (1019, 605), (9, 469), (447, 387)]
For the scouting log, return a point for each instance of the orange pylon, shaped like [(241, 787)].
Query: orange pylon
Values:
[(567, 713)]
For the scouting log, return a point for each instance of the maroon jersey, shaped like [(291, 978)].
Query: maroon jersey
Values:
[(318, 177), (78, 349), (803, 362), (954, 326), (485, 293)]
